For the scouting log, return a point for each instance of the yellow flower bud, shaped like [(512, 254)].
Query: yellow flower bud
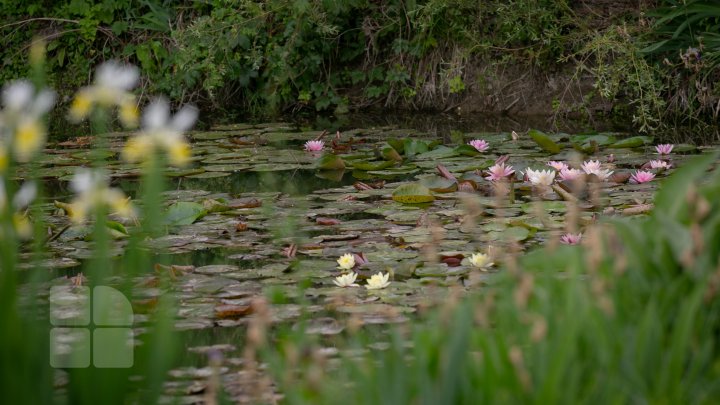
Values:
[(129, 113), (179, 153)]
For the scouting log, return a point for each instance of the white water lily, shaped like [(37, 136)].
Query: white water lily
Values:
[(346, 280), (541, 177), (378, 281), (594, 167), (480, 260), (346, 261), (160, 131)]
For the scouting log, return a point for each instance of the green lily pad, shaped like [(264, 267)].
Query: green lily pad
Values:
[(412, 193), (330, 161), (184, 213), (632, 142), (544, 141)]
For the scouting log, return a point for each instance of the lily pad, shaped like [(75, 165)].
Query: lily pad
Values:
[(412, 193), (544, 141), (184, 213)]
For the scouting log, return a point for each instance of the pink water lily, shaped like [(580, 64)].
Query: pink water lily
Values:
[(664, 149), (314, 146), (559, 166), (591, 166), (479, 144), (571, 238), (570, 174), (641, 176), (659, 164), (499, 171)]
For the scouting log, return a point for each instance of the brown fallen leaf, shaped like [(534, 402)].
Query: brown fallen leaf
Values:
[(244, 203), (619, 177), (229, 311), (241, 227), (290, 251), (174, 270), (327, 221)]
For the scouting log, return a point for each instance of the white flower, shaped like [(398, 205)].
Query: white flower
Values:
[(480, 260), (378, 281), (346, 261), (22, 117), (659, 164), (113, 81), (541, 177), (594, 167), (346, 280), (160, 131), (92, 191)]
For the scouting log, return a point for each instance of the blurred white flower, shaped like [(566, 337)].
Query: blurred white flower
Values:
[(113, 80), (22, 119), (160, 131), (92, 191)]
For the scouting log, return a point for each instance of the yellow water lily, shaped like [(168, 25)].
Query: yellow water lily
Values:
[(346, 280), (92, 192), (480, 260), (161, 132), (346, 261), (378, 281), (22, 119), (113, 80)]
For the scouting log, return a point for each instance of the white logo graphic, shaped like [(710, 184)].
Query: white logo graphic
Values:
[(73, 337)]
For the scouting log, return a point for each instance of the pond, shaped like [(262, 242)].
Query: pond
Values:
[(258, 215)]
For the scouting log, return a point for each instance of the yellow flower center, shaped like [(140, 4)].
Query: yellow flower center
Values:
[(179, 153), (129, 113), (29, 138), (81, 106)]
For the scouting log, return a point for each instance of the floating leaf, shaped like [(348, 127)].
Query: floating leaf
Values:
[(544, 141), (374, 165), (632, 142), (330, 161), (389, 153), (412, 193), (184, 213), (466, 150)]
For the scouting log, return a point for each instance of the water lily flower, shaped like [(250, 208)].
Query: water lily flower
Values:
[(540, 177), (499, 171), (92, 191), (160, 131), (378, 281), (113, 80), (664, 149), (479, 144), (346, 261), (570, 174), (659, 164), (346, 280), (480, 260), (314, 146), (571, 238), (25, 107), (594, 167), (559, 166), (641, 176)]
